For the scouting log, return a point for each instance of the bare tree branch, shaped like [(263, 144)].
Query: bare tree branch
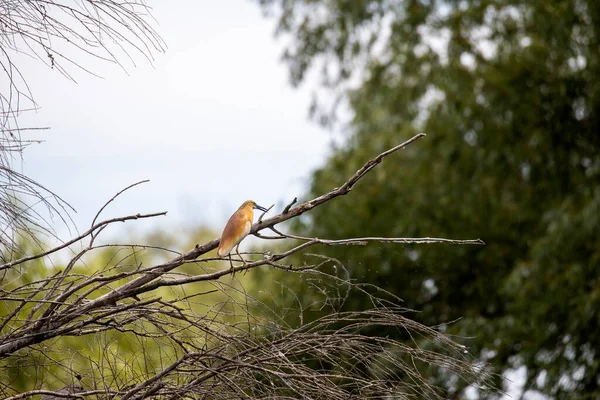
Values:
[(61, 35), (200, 336)]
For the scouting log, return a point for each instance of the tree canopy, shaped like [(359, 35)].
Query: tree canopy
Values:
[(509, 95)]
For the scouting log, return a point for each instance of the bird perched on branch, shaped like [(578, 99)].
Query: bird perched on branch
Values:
[(237, 228)]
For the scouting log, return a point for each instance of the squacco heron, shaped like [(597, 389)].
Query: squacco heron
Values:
[(237, 228)]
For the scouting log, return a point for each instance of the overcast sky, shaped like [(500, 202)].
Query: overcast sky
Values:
[(211, 123)]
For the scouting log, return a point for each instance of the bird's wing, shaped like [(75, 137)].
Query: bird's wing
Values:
[(236, 229), (247, 228)]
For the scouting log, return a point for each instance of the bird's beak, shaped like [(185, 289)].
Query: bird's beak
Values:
[(261, 208)]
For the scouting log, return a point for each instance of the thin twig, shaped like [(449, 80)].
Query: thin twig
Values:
[(78, 238)]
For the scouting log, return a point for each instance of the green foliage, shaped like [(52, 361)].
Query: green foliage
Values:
[(509, 95)]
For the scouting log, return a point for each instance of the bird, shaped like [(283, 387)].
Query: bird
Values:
[(236, 229)]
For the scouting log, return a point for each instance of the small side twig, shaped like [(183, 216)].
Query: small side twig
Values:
[(287, 208)]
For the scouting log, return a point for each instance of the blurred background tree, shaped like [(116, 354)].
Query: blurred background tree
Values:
[(509, 94)]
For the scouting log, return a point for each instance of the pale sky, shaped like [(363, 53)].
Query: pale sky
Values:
[(211, 123)]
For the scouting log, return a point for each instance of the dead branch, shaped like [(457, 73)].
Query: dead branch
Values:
[(236, 345)]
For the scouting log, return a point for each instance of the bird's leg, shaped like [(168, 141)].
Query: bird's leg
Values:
[(237, 250), (231, 263)]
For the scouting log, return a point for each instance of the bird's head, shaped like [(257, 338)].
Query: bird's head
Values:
[(251, 204)]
